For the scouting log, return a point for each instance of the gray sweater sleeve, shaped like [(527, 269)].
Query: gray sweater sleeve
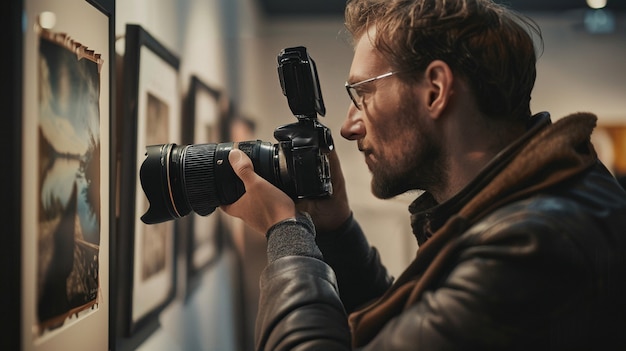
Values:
[(292, 237), (360, 274)]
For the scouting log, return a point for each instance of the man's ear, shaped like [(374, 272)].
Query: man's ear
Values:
[(438, 84)]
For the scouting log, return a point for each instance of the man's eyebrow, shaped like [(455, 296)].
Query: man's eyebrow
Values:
[(355, 78)]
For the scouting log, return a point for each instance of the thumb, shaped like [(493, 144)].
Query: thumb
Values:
[(241, 164)]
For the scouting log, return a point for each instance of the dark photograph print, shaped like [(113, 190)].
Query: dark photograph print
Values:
[(69, 201)]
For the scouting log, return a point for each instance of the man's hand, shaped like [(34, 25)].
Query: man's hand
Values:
[(329, 213), (263, 204)]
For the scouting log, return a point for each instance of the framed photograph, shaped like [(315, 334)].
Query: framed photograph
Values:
[(66, 196), (203, 124), (146, 260)]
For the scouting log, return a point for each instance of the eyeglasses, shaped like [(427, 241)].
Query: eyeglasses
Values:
[(354, 94)]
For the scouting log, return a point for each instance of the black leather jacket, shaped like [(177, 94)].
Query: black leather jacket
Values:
[(546, 270)]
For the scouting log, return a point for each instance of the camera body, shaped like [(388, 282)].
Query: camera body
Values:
[(180, 179), (306, 143)]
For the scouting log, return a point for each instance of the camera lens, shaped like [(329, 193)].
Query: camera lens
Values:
[(180, 179)]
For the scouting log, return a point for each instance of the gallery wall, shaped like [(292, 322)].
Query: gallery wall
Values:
[(579, 70)]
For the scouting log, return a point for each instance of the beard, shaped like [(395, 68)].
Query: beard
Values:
[(419, 168), (416, 172)]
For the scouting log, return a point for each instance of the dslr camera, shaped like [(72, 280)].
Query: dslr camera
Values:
[(178, 179)]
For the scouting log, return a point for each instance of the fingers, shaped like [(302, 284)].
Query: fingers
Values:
[(242, 165), (329, 213), (335, 170), (263, 204)]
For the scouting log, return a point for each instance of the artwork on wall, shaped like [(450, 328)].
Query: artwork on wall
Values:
[(204, 120), (151, 115), (67, 198)]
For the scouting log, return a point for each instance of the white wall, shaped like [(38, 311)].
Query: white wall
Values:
[(192, 29), (580, 71)]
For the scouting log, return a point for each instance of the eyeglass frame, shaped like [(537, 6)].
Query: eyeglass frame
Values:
[(354, 85)]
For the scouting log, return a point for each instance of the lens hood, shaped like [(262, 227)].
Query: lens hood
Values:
[(155, 176)]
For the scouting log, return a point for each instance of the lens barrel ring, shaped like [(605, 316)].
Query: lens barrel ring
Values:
[(199, 177)]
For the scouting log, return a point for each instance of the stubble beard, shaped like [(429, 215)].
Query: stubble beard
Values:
[(419, 169), (414, 173)]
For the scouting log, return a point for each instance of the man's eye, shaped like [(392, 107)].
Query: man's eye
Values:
[(360, 91)]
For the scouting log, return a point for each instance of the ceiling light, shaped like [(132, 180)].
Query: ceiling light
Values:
[(596, 4), (47, 20)]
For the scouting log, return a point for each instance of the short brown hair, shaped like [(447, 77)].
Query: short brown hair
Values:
[(488, 44)]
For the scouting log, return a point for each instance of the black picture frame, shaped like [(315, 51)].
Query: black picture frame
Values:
[(203, 122), (39, 57), (11, 139), (151, 114)]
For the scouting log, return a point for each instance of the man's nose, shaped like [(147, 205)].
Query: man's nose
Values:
[(353, 127)]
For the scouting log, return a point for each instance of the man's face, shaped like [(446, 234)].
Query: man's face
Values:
[(390, 128)]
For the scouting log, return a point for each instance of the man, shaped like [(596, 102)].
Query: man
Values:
[(521, 230)]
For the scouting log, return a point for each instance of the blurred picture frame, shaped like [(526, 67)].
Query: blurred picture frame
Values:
[(610, 143), (204, 120), (63, 193), (151, 114)]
